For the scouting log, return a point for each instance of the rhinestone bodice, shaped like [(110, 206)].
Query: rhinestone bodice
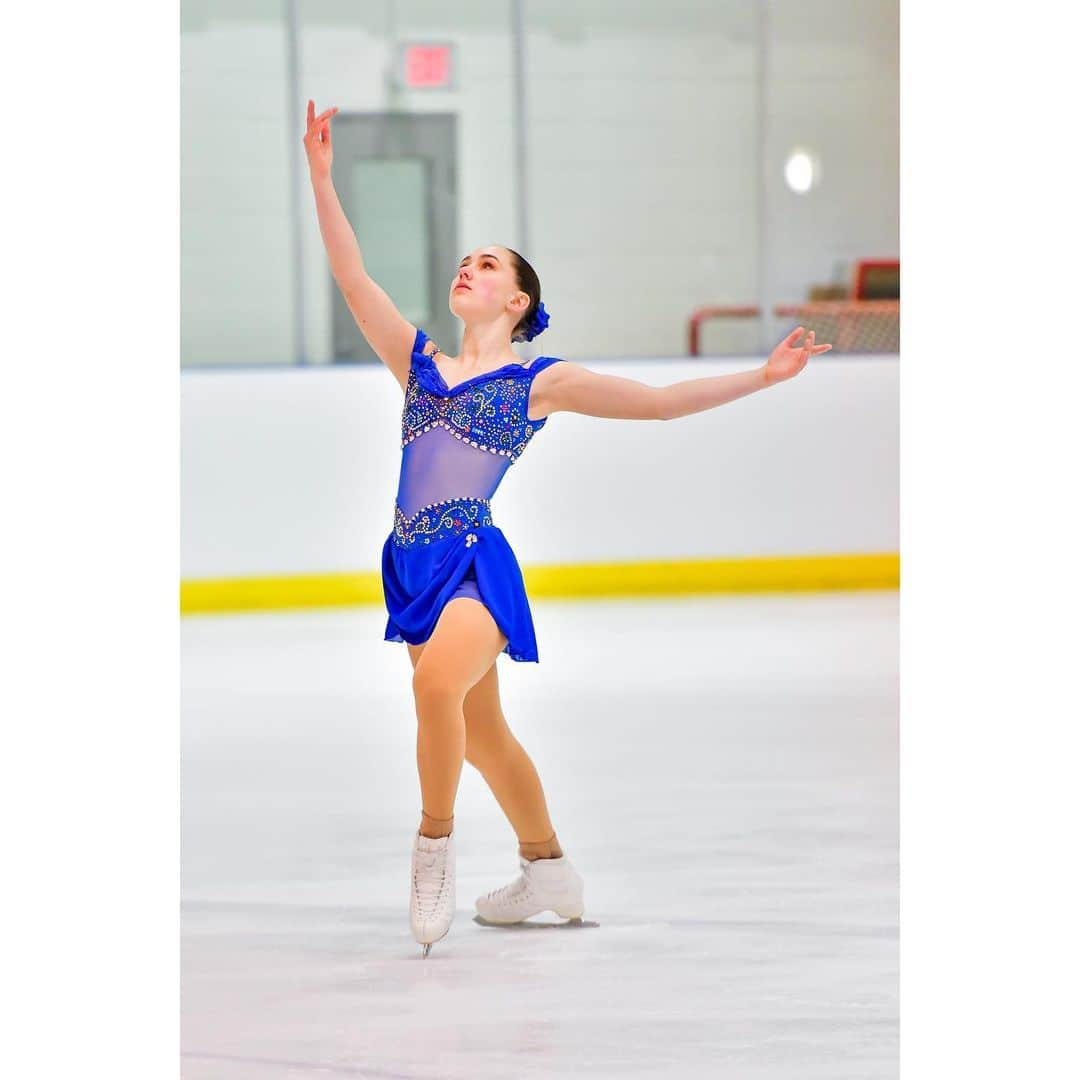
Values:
[(458, 442), (490, 411)]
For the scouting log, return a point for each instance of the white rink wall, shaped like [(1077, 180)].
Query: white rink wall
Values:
[(291, 471)]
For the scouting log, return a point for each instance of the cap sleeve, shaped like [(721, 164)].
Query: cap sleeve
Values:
[(542, 362), (420, 341)]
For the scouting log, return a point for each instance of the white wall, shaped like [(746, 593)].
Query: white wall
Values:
[(834, 86), (643, 140), (235, 247), (295, 471)]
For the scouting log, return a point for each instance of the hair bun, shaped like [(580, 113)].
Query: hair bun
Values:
[(538, 323)]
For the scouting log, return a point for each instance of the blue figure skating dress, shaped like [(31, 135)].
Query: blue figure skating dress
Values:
[(456, 445)]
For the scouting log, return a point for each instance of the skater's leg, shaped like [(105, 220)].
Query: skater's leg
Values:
[(463, 646), (495, 753), (508, 770)]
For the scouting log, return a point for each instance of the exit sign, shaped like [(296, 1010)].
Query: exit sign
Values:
[(426, 66)]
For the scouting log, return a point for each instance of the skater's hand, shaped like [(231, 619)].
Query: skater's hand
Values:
[(320, 153), (788, 358)]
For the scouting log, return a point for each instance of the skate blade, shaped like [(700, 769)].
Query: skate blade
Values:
[(426, 945), (577, 923)]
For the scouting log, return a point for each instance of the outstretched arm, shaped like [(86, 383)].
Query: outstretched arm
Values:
[(387, 331), (572, 388)]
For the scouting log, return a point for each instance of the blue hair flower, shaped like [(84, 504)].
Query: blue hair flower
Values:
[(538, 323)]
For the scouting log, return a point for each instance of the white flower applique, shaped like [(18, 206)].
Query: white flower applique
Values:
[(470, 539)]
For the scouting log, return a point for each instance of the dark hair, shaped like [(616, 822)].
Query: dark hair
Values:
[(529, 283)]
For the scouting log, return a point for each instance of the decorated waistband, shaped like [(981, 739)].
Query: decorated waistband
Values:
[(441, 521)]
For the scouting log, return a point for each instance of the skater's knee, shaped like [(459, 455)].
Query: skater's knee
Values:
[(434, 687)]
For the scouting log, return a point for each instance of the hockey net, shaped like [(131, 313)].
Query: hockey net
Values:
[(850, 326)]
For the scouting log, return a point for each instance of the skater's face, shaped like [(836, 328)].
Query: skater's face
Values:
[(486, 287)]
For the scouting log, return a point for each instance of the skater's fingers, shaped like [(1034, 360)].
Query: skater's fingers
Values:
[(316, 124), (793, 336)]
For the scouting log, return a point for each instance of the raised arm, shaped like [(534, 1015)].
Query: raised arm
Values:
[(572, 388), (387, 331)]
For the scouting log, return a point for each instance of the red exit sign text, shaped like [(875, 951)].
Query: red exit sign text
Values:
[(426, 67)]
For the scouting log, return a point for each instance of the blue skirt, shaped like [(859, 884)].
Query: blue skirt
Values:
[(452, 549)]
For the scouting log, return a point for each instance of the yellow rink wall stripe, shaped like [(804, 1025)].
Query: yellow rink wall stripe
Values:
[(787, 573)]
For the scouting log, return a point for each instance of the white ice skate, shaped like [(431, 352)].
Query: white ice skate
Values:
[(433, 896), (543, 885)]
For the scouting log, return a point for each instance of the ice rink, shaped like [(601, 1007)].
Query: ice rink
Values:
[(723, 772)]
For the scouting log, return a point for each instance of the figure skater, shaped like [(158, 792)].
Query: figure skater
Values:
[(453, 588)]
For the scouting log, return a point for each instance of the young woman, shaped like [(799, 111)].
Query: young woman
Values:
[(453, 588)]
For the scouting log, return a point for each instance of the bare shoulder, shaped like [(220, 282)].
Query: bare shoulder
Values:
[(544, 393)]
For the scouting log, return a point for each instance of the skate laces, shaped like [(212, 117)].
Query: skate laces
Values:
[(518, 889), (428, 878)]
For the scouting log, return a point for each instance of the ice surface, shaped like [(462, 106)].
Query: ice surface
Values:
[(723, 771)]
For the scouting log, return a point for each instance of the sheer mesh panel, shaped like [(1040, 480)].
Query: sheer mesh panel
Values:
[(437, 466)]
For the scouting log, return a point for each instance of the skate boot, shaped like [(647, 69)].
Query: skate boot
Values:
[(433, 896), (543, 885)]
